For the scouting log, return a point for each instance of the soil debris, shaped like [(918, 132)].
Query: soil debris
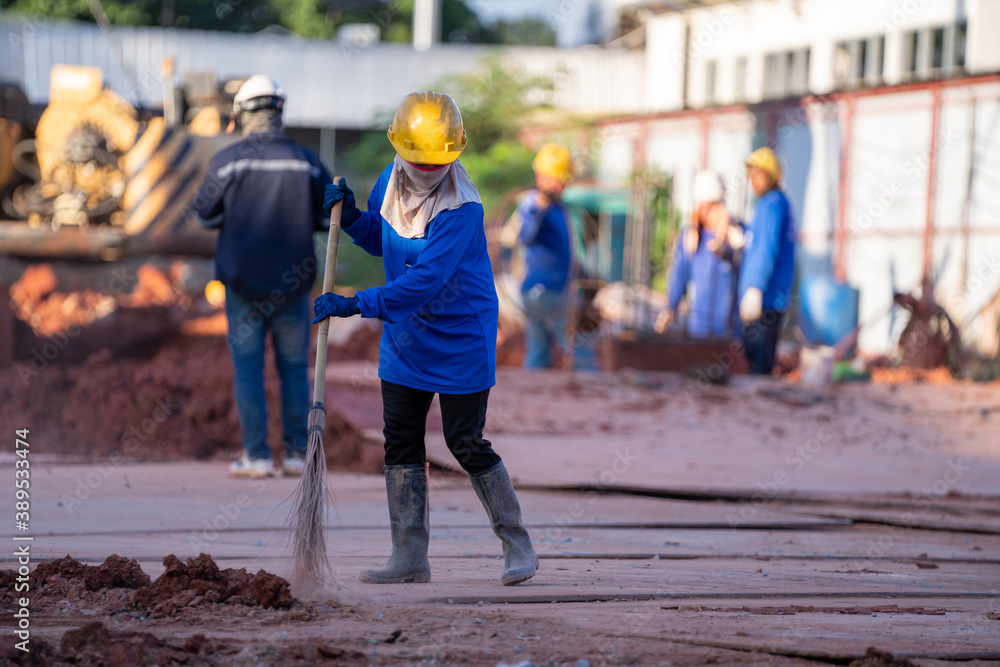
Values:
[(37, 282), (908, 375), (115, 572), (876, 658), (93, 644), (200, 580), (67, 579), (175, 402)]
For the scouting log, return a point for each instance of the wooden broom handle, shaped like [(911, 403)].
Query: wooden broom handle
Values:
[(329, 276)]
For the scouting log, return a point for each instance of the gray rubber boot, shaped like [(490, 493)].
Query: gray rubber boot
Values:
[(496, 493), (409, 519)]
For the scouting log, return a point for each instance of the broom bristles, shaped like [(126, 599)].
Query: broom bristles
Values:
[(310, 564)]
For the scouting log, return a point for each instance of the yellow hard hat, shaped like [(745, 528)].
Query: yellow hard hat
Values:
[(765, 159), (215, 293), (427, 129), (555, 161)]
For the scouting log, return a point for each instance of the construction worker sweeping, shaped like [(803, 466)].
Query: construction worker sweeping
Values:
[(439, 311), (548, 257), (768, 266), (265, 196)]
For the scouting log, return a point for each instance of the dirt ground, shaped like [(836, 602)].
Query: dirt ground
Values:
[(195, 613), (758, 523)]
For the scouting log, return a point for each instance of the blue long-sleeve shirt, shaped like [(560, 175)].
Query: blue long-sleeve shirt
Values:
[(265, 195), (712, 281), (769, 256), (438, 305), (545, 235)]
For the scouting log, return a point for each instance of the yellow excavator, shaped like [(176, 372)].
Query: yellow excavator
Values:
[(95, 178)]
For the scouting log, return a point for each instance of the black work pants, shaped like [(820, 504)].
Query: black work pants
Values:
[(760, 341), (404, 411)]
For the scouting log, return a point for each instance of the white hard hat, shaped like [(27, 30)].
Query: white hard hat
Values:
[(262, 87), (708, 187)]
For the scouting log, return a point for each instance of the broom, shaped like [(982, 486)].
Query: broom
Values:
[(310, 565)]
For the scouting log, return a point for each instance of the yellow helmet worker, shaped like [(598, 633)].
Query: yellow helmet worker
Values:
[(554, 161), (439, 314), (427, 129), (765, 160), (548, 257), (768, 268)]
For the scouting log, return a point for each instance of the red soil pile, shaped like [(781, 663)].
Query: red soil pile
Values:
[(120, 583), (114, 572), (51, 584), (175, 403), (48, 312), (199, 580), (36, 283)]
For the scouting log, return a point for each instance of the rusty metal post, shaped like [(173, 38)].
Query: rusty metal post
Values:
[(840, 252), (931, 181)]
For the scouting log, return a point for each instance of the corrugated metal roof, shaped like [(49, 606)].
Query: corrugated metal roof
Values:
[(329, 83)]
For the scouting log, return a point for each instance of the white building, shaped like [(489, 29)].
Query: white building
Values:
[(886, 115), (754, 50)]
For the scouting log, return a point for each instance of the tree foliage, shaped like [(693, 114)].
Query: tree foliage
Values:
[(309, 18)]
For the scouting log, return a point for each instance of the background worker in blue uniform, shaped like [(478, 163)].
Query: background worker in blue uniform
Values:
[(265, 196), (439, 311), (704, 267), (768, 266), (548, 257)]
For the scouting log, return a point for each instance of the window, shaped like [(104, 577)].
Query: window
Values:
[(710, 68), (773, 78), (842, 64), (937, 49), (960, 34), (859, 62), (878, 60), (911, 44), (786, 74), (934, 51), (740, 80), (798, 82)]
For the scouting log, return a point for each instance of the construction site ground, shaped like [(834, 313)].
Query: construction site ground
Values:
[(758, 523)]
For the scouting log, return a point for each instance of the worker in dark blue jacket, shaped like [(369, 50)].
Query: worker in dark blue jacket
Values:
[(548, 255), (768, 267), (265, 196), (439, 311)]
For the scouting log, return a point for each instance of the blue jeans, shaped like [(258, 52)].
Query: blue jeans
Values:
[(288, 321), (545, 311)]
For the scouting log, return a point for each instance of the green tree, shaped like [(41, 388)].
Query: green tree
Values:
[(119, 12), (529, 30), (317, 19)]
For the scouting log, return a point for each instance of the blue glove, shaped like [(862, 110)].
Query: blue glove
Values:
[(340, 192), (334, 305)]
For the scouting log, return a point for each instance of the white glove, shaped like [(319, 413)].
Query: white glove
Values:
[(737, 239), (752, 305)]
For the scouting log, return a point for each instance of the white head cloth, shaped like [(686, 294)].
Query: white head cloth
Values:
[(414, 197)]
